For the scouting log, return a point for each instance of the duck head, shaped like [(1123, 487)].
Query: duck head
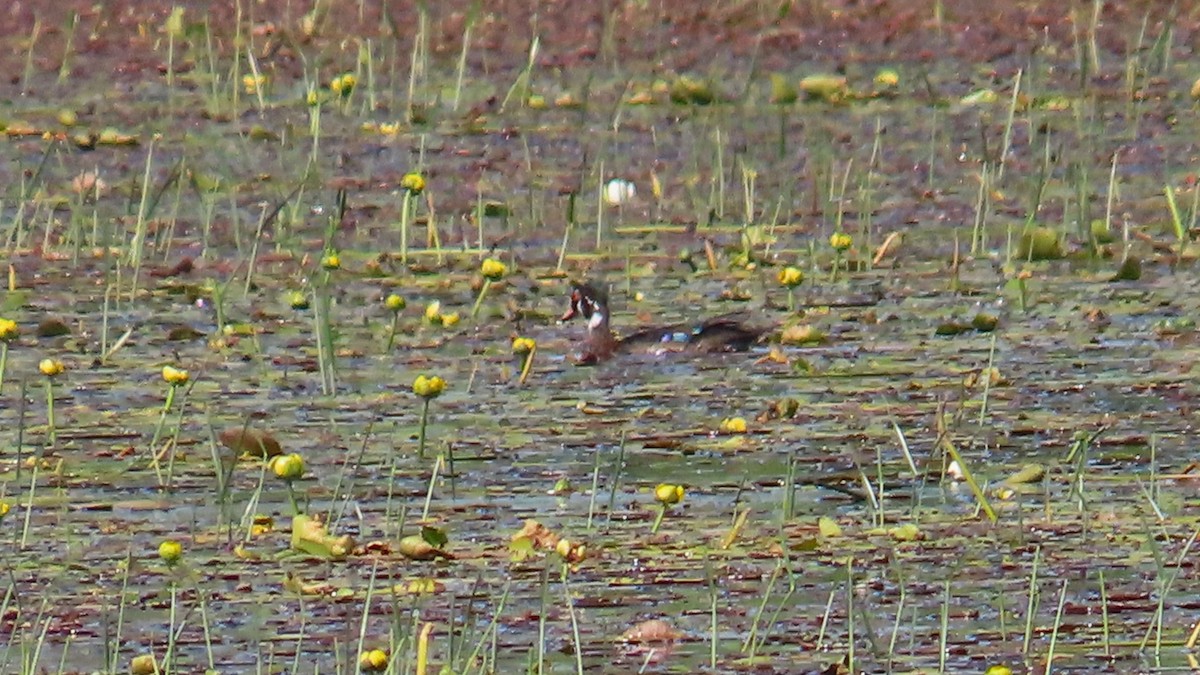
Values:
[(591, 303)]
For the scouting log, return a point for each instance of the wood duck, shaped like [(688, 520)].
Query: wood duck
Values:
[(723, 333)]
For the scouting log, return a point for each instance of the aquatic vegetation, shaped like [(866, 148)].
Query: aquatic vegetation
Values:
[(492, 270), (199, 217)]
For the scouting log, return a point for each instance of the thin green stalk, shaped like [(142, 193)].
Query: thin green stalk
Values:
[(405, 221), (662, 511), (1062, 600), (138, 246), (162, 418), (1033, 600), (421, 432), (487, 284), (52, 434), (574, 621), (437, 465), (366, 613), (616, 479), (3, 362)]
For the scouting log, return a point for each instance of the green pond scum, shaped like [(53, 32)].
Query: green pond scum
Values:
[(286, 384)]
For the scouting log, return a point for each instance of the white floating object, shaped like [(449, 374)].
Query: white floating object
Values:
[(619, 191), (954, 471)]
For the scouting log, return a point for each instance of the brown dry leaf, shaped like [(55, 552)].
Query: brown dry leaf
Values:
[(539, 535), (89, 183), (652, 630), (250, 442)]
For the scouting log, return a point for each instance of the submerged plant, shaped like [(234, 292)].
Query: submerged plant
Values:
[(395, 304), (492, 270), (8, 333), (51, 368), (413, 184), (790, 278), (524, 348), (428, 388), (667, 495), (175, 378), (841, 242), (289, 468)]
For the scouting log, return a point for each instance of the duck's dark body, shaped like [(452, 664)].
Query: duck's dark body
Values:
[(725, 333)]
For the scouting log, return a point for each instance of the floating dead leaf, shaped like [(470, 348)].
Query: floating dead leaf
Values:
[(422, 586), (1030, 473), (906, 532), (310, 536), (652, 630), (802, 334), (990, 375), (415, 547), (829, 527), (242, 553), (775, 355), (824, 87), (111, 136), (294, 584), (89, 183), (839, 668), (250, 442)]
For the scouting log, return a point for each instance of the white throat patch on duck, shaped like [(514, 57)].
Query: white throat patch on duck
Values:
[(596, 320)]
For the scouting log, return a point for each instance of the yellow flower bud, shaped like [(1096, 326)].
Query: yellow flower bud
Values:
[(428, 387), (433, 313), (733, 425), (170, 551), (8, 330), (790, 277), (174, 376), (289, 467), (143, 664), (342, 85), (523, 345), (51, 367), (313, 98), (297, 300), (413, 182), (563, 547), (493, 269), (840, 241), (887, 78), (374, 660), (668, 494), (331, 261), (449, 320), (395, 302), (5, 507), (253, 83)]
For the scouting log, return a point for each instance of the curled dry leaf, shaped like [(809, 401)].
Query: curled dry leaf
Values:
[(537, 534), (89, 183), (652, 630), (414, 547), (310, 536)]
